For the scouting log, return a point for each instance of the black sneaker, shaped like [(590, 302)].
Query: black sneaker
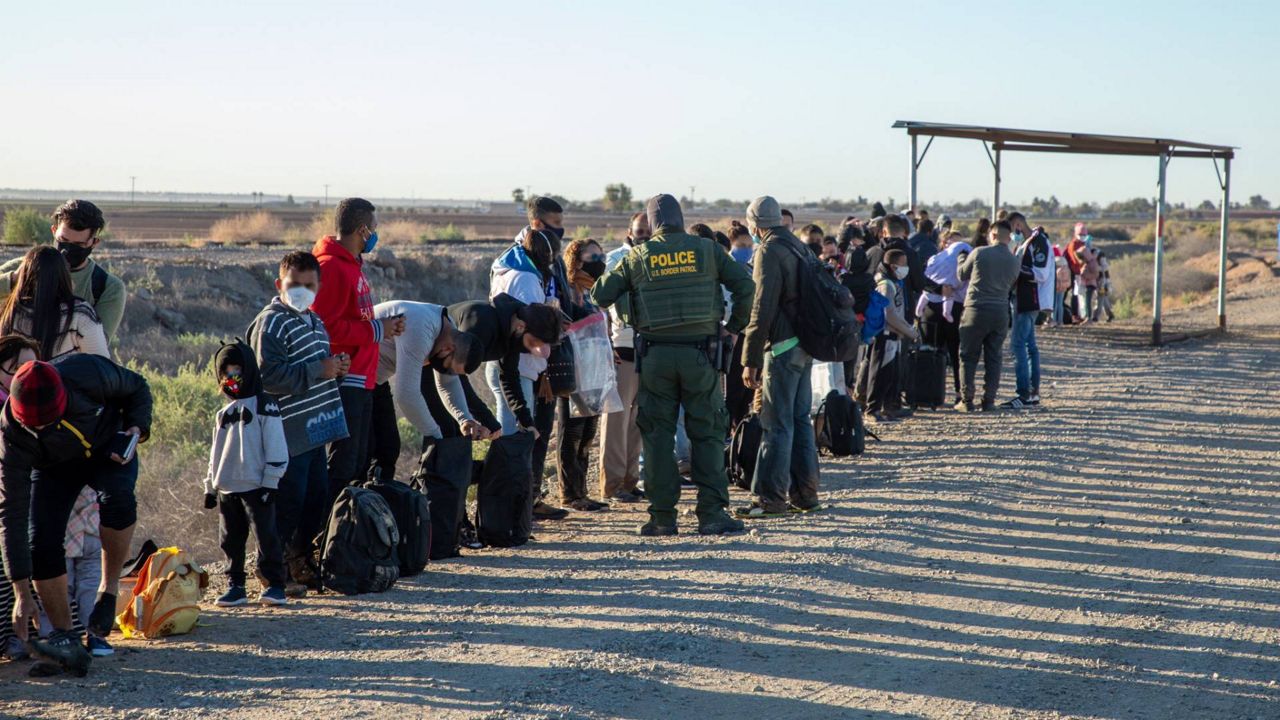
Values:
[(1015, 404), (103, 618), (653, 529), (64, 648), (988, 406), (587, 505), (625, 497)]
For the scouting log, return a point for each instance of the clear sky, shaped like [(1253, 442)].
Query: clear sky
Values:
[(471, 99)]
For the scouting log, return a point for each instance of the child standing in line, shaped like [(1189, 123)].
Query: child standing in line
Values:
[(248, 457), (84, 568)]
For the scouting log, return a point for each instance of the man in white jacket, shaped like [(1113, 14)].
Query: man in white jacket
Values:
[(1033, 295)]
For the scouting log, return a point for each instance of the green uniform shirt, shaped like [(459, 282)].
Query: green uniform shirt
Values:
[(109, 307), (674, 283)]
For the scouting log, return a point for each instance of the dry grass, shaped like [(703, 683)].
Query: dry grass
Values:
[(247, 228)]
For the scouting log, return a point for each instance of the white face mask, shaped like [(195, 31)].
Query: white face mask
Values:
[(902, 271), (299, 298)]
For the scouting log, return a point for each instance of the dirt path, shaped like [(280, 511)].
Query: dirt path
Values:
[(1110, 556)]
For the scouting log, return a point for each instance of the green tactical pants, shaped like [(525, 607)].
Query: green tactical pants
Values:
[(672, 376)]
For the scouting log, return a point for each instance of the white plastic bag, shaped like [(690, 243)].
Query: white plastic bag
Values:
[(593, 367), (823, 378)]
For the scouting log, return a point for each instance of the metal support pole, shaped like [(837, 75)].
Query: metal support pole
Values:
[(915, 164), (995, 202), (1222, 246), (1156, 297)]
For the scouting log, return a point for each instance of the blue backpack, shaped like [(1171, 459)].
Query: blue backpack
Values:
[(873, 322)]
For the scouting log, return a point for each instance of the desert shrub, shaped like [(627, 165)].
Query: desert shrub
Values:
[(306, 235), (1191, 240), (1131, 275), (1127, 306), (402, 232), (1146, 235), (174, 461), (256, 227), (1114, 233), (449, 232), (26, 226), (582, 232)]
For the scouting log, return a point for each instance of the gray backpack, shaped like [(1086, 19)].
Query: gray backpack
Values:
[(360, 545)]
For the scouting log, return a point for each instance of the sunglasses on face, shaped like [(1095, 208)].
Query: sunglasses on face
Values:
[(597, 257)]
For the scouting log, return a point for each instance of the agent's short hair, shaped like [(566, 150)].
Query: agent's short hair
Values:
[(352, 213), (80, 215), (299, 261), (539, 207), (893, 256), (897, 224), (1002, 225)]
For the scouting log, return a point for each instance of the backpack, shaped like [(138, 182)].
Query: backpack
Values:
[(744, 447), (412, 511), (824, 321), (97, 283), (873, 319), (359, 551), (505, 497), (166, 596), (833, 426)]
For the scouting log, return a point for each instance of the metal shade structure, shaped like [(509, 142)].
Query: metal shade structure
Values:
[(999, 140)]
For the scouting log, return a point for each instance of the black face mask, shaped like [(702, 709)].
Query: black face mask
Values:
[(75, 254), (594, 268), (557, 231)]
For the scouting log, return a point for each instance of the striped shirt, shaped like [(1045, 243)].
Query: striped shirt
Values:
[(290, 346)]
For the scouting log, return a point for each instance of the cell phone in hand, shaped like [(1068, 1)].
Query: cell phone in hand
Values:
[(124, 446)]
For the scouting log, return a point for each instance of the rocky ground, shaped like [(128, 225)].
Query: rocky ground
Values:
[(1111, 555)]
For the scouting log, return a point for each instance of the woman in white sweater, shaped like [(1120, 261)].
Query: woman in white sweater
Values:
[(44, 307)]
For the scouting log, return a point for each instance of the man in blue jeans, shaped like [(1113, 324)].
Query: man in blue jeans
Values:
[(786, 473), (1033, 294)]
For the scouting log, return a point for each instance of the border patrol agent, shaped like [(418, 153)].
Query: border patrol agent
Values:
[(673, 284)]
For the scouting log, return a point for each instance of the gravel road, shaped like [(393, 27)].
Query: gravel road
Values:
[(1112, 555)]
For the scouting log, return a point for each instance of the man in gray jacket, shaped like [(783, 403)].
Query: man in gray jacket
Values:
[(991, 272), (787, 468)]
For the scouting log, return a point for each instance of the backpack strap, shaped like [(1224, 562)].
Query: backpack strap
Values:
[(98, 283)]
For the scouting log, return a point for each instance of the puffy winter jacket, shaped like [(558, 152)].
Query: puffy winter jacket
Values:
[(102, 399)]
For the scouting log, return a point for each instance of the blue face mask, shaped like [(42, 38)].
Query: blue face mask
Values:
[(371, 243), (742, 254), (1017, 238), (755, 239)]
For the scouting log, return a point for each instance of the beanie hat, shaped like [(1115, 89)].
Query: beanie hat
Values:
[(37, 396), (475, 353), (764, 212)]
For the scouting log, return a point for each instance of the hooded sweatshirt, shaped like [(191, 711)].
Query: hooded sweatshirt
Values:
[(490, 323), (249, 451), (289, 347), (345, 304), (403, 358), (514, 274), (858, 280)]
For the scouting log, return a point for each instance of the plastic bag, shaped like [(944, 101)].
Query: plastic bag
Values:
[(823, 378), (597, 391)]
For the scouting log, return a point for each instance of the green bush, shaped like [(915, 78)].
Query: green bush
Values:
[(26, 226), (449, 232), (1127, 306)]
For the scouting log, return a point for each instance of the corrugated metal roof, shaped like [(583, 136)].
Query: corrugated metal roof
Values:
[(1070, 142)]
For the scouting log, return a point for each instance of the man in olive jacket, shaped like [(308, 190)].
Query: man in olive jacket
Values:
[(674, 283), (787, 468)]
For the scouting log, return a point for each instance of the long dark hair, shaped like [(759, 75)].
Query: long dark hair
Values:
[(981, 235), (43, 291)]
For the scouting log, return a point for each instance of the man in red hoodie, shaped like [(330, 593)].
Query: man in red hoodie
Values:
[(345, 303)]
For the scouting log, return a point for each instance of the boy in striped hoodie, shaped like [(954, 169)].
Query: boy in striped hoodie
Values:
[(299, 371)]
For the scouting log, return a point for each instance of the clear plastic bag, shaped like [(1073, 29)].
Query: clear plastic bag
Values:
[(597, 391)]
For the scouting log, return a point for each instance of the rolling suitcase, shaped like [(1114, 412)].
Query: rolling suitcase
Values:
[(926, 375)]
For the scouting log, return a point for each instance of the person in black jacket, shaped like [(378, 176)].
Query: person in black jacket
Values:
[(61, 430)]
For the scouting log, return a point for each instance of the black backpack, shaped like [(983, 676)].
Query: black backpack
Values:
[(838, 426), (823, 316), (505, 497), (560, 369), (97, 283), (443, 475), (744, 447), (359, 551), (412, 511)]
